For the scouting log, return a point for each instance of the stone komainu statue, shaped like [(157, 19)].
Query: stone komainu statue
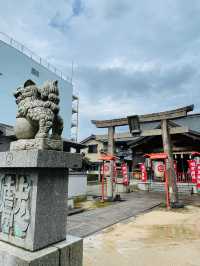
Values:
[(38, 111)]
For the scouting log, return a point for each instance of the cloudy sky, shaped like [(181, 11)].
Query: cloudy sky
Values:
[(130, 57)]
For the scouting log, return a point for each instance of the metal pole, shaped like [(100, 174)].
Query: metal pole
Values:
[(77, 118)]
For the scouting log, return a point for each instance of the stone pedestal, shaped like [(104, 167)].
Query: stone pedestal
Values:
[(109, 187), (38, 143), (33, 202), (65, 253)]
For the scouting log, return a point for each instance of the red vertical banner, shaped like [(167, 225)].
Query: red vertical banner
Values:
[(198, 175), (114, 172), (193, 170), (125, 174), (144, 172)]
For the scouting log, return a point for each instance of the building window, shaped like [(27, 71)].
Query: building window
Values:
[(92, 148), (35, 72)]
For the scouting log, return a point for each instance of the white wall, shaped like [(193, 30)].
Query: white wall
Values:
[(16, 68), (77, 184)]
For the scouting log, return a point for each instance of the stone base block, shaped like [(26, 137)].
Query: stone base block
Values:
[(120, 188), (70, 251), (38, 143), (143, 186), (70, 203), (66, 253)]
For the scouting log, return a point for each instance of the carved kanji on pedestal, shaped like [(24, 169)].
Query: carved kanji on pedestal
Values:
[(15, 200)]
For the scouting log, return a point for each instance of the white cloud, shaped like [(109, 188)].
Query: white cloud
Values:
[(130, 56)]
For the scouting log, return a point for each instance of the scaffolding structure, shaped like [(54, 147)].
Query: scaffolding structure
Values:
[(75, 118)]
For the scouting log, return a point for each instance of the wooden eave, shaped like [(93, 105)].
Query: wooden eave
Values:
[(142, 140)]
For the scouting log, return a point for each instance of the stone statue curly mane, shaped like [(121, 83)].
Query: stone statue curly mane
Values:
[(40, 108)]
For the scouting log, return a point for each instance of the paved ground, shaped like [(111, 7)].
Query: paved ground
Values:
[(158, 237), (89, 222)]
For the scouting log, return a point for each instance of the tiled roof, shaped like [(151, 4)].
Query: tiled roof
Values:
[(125, 136), (7, 130), (118, 136)]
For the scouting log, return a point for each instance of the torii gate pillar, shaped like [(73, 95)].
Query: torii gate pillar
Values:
[(111, 133), (167, 147), (111, 149)]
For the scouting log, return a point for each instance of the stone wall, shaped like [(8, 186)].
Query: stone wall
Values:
[(185, 188)]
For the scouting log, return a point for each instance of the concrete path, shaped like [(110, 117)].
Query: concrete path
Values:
[(89, 222)]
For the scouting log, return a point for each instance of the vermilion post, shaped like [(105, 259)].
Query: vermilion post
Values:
[(102, 182)]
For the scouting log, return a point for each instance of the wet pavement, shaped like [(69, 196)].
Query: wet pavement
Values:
[(135, 203)]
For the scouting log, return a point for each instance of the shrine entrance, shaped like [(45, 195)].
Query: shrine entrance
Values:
[(166, 130)]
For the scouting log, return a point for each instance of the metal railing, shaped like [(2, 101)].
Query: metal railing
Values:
[(23, 49), (181, 177), (184, 178)]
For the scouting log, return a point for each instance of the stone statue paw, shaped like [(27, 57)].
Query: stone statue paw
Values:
[(41, 135)]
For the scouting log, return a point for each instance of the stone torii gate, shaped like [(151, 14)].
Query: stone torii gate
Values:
[(135, 123)]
